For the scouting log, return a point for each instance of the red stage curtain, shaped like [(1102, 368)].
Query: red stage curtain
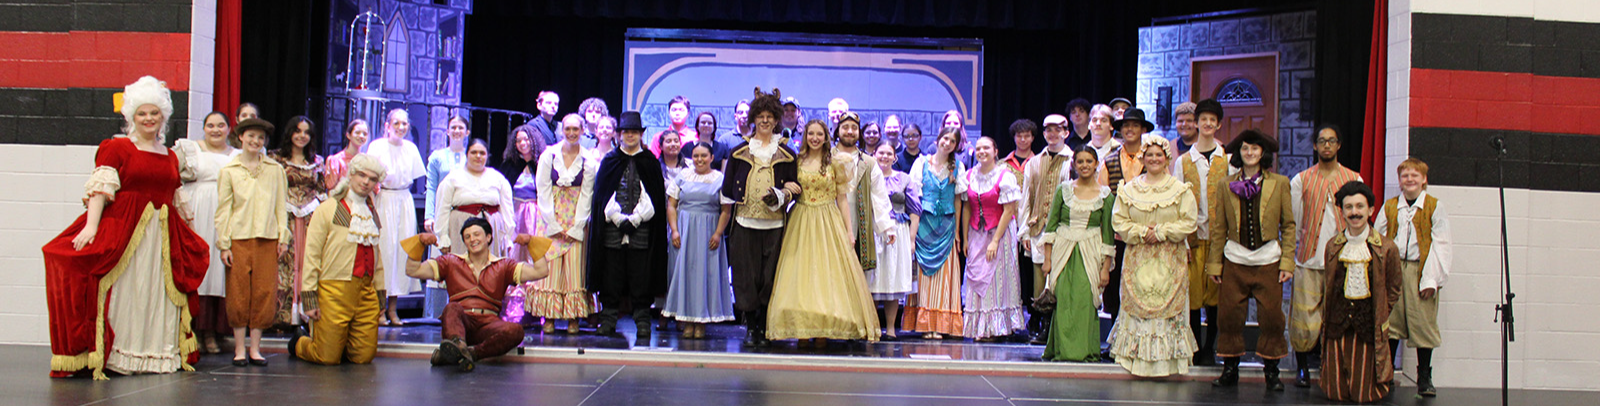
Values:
[(225, 96), (1376, 127)]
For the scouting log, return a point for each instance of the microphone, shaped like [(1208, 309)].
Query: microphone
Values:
[(1498, 143)]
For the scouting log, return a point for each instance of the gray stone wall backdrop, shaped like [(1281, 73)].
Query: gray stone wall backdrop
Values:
[(1165, 52), (436, 32)]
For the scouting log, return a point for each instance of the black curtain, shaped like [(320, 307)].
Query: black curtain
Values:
[(1037, 54), (283, 58), (1344, 41)]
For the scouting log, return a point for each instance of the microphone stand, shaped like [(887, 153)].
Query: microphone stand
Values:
[(1503, 310)]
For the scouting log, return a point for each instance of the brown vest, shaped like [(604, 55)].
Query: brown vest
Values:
[(1214, 177), (1422, 222), (484, 290)]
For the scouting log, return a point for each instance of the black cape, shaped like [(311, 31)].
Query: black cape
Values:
[(605, 185)]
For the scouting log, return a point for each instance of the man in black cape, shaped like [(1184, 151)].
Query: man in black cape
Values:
[(628, 230)]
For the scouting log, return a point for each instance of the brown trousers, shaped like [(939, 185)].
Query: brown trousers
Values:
[(1239, 284), (485, 334), (253, 284)]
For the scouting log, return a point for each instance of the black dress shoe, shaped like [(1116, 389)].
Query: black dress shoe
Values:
[(258, 362), (241, 362), (1303, 378), (1425, 382), (295, 334)]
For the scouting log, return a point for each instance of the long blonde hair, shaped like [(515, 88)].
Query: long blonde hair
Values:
[(805, 147)]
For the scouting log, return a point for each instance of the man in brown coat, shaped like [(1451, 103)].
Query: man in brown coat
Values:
[(1363, 282), (1252, 255)]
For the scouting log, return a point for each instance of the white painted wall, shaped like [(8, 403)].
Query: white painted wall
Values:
[(1553, 253), (46, 184), (1553, 10), (202, 62)]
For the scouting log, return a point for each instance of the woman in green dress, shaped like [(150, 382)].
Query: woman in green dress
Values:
[(1078, 252)]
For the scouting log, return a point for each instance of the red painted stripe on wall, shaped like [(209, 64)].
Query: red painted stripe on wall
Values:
[(92, 59), (1504, 101)]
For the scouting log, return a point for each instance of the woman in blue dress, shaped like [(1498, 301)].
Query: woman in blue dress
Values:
[(700, 290)]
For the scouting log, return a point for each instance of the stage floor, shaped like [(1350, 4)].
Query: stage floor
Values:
[(391, 381)]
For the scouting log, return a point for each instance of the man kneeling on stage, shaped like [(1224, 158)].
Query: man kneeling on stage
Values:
[(471, 325), (342, 272)]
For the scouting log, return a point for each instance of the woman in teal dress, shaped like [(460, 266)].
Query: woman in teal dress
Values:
[(1078, 252)]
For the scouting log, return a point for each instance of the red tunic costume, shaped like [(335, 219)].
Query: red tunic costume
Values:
[(476, 298), (79, 283)]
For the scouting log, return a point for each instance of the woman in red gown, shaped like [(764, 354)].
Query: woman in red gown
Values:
[(121, 279)]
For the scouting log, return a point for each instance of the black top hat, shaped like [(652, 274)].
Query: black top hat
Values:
[(630, 121), (1135, 115), (1254, 137), (1208, 106)]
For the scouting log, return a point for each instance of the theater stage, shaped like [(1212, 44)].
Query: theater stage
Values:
[(391, 381)]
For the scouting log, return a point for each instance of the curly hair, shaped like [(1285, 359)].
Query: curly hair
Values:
[(766, 102), (285, 147)]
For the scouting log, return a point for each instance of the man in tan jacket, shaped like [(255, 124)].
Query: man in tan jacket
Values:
[(1252, 255), (342, 272)]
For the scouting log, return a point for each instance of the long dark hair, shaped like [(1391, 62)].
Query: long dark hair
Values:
[(285, 143), (535, 143), (950, 159)]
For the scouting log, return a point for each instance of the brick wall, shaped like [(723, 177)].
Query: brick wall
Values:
[(1462, 72), (1164, 58)]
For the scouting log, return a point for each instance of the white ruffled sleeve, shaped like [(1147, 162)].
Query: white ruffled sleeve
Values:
[(104, 180)]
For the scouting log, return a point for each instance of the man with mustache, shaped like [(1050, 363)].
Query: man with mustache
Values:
[(1363, 283), (1312, 192)]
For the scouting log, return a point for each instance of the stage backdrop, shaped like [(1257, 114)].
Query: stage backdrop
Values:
[(878, 79)]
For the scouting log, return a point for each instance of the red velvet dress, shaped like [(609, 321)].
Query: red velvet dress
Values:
[(79, 283)]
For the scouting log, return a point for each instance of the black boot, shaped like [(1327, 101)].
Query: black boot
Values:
[(1210, 347), (295, 334), (1230, 373), (1425, 382), (641, 324), (1270, 372), (1302, 361), (1195, 326), (608, 323), (1042, 335)]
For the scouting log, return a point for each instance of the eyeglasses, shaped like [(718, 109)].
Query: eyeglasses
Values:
[(1327, 141)]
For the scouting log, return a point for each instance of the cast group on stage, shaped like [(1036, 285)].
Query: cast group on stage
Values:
[(801, 229)]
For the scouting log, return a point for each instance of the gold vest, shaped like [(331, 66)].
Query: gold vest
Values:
[(1422, 222), (1219, 171)]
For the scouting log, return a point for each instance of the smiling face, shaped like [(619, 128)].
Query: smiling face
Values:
[(524, 143), (1155, 159), (871, 135), (630, 138), (984, 151), (947, 143), (677, 112), (1084, 163), (765, 122), (1412, 182), (399, 125), (816, 136), (1250, 154), (605, 130), (1023, 140), (477, 157), (702, 158), (476, 239), (458, 130), (254, 140), (791, 116), (671, 144), (1132, 133), (1208, 124), (885, 156), (358, 136), (216, 129), (301, 136), (1054, 134), (849, 133), (1186, 126), (571, 129), (147, 121), (891, 130), (1355, 209)]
